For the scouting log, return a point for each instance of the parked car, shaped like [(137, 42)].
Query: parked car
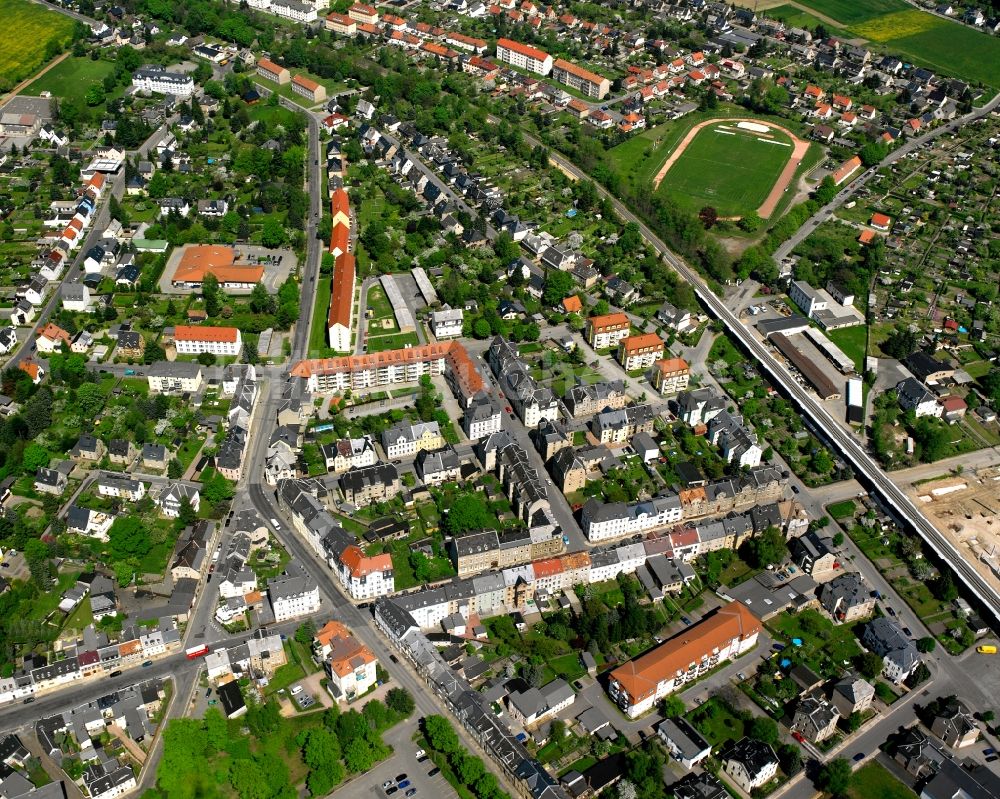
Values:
[(411, 792), (858, 757), (434, 772)]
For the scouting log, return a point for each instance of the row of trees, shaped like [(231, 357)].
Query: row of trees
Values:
[(469, 769)]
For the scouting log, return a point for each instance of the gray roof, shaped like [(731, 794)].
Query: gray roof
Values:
[(684, 737), (177, 369)]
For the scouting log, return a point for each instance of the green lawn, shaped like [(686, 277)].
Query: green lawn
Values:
[(27, 30), (71, 78), (716, 721), (825, 646), (850, 12), (394, 341), (842, 510), (873, 781), (730, 170), (853, 341), (318, 331)]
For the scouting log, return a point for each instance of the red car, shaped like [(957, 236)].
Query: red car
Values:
[(799, 737)]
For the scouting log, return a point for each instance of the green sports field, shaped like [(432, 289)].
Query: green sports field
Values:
[(27, 30), (731, 170)]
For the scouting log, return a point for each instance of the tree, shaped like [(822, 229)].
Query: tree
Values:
[(768, 548), (900, 343), (558, 284), (468, 512), (944, 587), (127, 538), (763, 729), (626, 790), (34, 458), (869, 664), (440, 735), (216, 729), (821, 462), (708, 216), (260, 301), (838, 539), (672, 707), (36, 553), (212, 295), (358, 755), (273, 234), (186, 514), (481, 329), (834, 777), (174, 469), (305, 632), (320, 748), (789, 758), (400, 701), (926, 644)]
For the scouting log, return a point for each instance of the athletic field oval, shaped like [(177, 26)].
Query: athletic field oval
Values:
[(734, 165)]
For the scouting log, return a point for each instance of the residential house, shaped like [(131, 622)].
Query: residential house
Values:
[(364, 486), (50, 481), (173, 497), (686, 745), (751, 763), (847, 598), (815, 718), (955, 724), (886, 638), (671, 375), (852, 694), (640, 352)]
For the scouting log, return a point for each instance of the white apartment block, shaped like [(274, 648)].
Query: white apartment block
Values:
[(292, 597), (224, 341), (158, 81), (603, 521), (524, 56)]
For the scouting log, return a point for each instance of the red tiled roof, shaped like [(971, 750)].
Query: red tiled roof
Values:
[(640, 677), (462, 368), (671, 365), (601, 323), (342, 292), (572, 304), (340, 237), (641, 342), (270, 66), (580, 72), (226, 335), (305, 83), (523, 49)]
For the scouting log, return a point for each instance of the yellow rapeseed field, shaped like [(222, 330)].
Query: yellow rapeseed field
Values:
[(895, 26), (24, 36)]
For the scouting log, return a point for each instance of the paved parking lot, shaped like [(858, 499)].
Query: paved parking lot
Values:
[(403, 761)]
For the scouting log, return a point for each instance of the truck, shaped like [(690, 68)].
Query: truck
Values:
[(986, 649), (196, 652)]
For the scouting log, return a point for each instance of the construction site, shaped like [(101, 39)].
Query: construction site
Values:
[(966, 509)]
